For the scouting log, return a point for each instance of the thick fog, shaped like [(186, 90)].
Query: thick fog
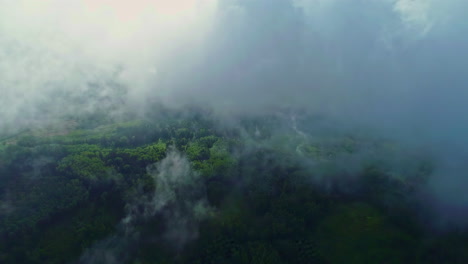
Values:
[(79, 56), (397, 66)]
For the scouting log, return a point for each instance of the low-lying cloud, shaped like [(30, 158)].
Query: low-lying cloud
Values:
[(179, 201)]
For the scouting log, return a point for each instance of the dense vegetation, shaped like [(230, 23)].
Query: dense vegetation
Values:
[(185, 188)]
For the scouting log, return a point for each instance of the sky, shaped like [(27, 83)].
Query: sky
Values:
[(397, 66)]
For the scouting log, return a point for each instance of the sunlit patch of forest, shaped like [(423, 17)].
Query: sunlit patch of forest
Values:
[(186, 187)]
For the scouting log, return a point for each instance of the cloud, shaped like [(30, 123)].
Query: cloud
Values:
[(180, 196), (397, 66), (179, 201), (52, 52), (415, 14)]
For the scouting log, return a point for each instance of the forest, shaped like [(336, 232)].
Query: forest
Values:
[(188, 187), (233, 131)]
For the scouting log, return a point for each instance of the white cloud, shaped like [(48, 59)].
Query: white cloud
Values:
[(415, 15), (51, 45)]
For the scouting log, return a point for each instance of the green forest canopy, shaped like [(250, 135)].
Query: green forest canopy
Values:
[(271, 195)]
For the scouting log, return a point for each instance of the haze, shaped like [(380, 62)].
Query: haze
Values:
[(396, 66)]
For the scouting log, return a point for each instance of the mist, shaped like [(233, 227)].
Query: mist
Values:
[(398, 67), (179, 202)]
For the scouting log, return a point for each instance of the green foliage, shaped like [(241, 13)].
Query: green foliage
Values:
[(147, 154), (87, 165), (358, 233), (196, 151), (73, 234), (210, 155), (65, 188)]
